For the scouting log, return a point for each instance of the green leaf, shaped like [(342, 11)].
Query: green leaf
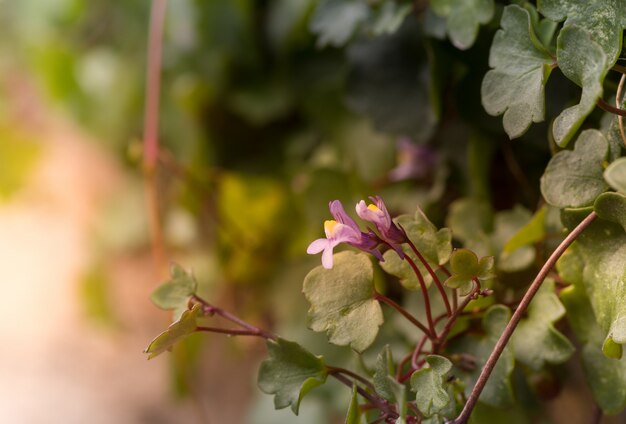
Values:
[(615, 175), (290, 373), (530, 233), (353, 410), (384, 368), (435, 245), (390, 17), (401, 269), (606, 376), (175, 293), (583, 62), (602, 248), (535, 341), (507, 224), (574, 179), (602, 20), (466, 267), (342, 302), (399, 394), (497, 391), (428, 383), (516, 85), (463, 18), (177, 331), (335, 21), (612, 207)]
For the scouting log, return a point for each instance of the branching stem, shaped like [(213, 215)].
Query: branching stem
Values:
[(517, 316), (433, 274), (381, 297)]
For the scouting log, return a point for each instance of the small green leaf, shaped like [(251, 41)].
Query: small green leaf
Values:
[(335, 21), (535, 340), (466, 267), (342, 302), (612, 207), (428, 383), (574, 179), (530, 233), (582, 61), (389, 17), (177, 331), (384, 369), (435, 245), (615, 175), (516, 85), (290, 373), (175, 293), (497, 391), (353, 416), (463, 18)]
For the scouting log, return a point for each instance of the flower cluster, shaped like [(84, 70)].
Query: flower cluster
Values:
[(343, 229)]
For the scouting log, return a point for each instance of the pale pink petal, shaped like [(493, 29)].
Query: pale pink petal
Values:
[(317, 246), (327, 257), (344, 234)]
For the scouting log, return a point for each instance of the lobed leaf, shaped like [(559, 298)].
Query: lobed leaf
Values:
[(290, 373), (342, 301), (574, 179), (516, 85), (384, 368), (175, 293), (428, 383), (335, 21), (463, 18)]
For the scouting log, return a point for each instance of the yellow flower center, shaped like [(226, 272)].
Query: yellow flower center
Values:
[(329, 226), (373, 208)]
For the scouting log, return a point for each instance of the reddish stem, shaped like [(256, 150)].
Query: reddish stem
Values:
[(517, 316), (420, 278), (430, 334), (432, 273)]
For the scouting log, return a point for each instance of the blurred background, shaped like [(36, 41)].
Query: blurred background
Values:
[(269, 110)]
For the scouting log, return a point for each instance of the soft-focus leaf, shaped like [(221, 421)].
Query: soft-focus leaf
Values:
[(535, 341), (466, 267), (497, 391), (530, 233), (435, 245), (335, 21), (574, 178), (615, 175), (290, 373), (384, 369), (177, 331), (390, 16), (175, 293), (428, 383), (602, 248), (342, 302), (516, 85), (463, 18), (506, 225), (583, 62), (612, 207)]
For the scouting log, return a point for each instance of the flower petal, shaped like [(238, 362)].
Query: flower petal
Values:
[(327, 257), (317, 246)]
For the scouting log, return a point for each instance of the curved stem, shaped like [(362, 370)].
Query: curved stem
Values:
[(517, 316), (618, 100), (450, 323), (608, 108), (420, 278), (231, 332), (337, 370), (381, 297), (432, 273), (374, 400)]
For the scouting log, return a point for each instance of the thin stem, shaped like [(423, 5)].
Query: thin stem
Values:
[(231, 331), (417, 351), (517, 316), (618, 104), (432, 273), (209, 309), (335, 370), (450, 323), (619, 68), (381, 297), (608, 108), (420, 278), (151, 130)]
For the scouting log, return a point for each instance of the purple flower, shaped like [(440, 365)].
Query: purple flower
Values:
[(377, 213), (413, 161), (343, 230)]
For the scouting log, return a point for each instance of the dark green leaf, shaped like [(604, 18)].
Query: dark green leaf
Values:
[(535, 340), (574, 179), (516, 85), (612, 207), (583, 62), (463, 18), (428, 383), (177, 331), (466, 267), (342, 302), (290, 373)]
